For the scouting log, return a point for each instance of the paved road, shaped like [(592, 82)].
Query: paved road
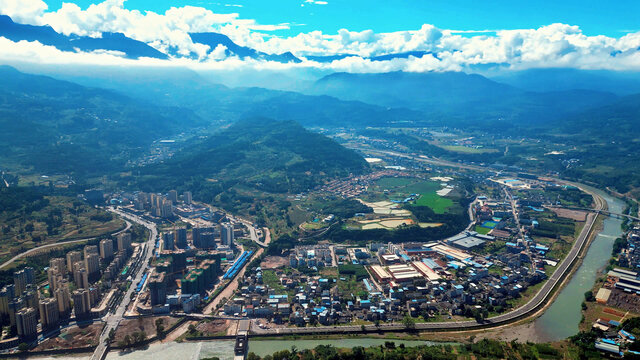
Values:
[(36, 249), (529, 308), (532, 306), (605, 212), (113, 320)]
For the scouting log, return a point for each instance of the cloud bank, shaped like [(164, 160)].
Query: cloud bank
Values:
[(433, 49)]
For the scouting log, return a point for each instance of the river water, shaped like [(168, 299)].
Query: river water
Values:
[(558, 322), (561, 320)]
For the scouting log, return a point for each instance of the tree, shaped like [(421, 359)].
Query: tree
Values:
[(159, 327), (112, 335), (23, 347), (588, 296), (192, 328), (409, 322), (126, 341)]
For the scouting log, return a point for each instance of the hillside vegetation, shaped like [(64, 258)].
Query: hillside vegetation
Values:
[(268, 155), (58, 127)]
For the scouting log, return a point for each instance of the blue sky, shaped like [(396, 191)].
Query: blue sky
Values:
[(509, 34), (595, 17)]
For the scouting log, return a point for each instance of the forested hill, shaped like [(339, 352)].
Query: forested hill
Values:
[(60, 127), (269, 155)]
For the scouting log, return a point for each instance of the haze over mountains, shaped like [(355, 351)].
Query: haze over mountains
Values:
[(135, 49), (109, 115)]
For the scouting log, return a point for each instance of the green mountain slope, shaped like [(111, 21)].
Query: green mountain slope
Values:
[(269, 155), (465, 98), (60, 127)]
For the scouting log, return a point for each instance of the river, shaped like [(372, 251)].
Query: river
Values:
[(223, 349), (558, 322), (561, 320)]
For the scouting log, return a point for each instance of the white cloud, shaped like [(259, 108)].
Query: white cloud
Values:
[(23, 11), (553, 45)]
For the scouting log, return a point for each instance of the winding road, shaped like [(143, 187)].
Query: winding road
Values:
[(544, 295), (43, 247)]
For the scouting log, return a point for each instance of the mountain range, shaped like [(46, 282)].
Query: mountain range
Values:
[(466, 97), (46, 35), (57, 126), (135, 49)]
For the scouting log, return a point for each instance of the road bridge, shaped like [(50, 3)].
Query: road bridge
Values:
[(599, 211), (544, 295)]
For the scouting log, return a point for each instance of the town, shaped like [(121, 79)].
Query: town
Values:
[(188, 259)]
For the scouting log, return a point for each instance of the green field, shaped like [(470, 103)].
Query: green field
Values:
[(394, 182), (400, 188), (482, 230), (436, 202)]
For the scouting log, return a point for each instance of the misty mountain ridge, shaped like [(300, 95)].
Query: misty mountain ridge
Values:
[(458, 94), (46, 35)]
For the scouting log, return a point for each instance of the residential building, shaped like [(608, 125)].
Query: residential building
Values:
[(124, 242), (158, 289), (173, 196), (81, 277), (106, 249), (49, 313), (73, 257), (226, 234), (22, 278), (181, 238), (81, 303), (63, 298), (27, 323), (92, 265)]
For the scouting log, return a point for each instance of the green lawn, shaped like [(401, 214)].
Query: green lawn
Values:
[(436, 202), (400, 188), (393, 182), (270, 279), (482, 230)]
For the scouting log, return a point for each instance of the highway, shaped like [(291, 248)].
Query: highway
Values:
[(36, 249), (112, 320)]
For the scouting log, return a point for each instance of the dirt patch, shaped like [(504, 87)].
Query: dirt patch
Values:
[(213, 327), (146, 324), (622, 300), (576, 215), (273, 262), (73, 337)]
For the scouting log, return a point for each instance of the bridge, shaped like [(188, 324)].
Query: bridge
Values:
[(242, 340), (599, 211)]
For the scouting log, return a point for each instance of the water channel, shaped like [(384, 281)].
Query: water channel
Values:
[(558, 322), (561, 320)]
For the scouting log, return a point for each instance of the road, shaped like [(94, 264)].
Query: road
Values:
[(531, 307), (516, 219), (113, 320), (231, 288), (36, 249)]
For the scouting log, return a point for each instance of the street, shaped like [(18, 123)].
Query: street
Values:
[(113, 320)]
